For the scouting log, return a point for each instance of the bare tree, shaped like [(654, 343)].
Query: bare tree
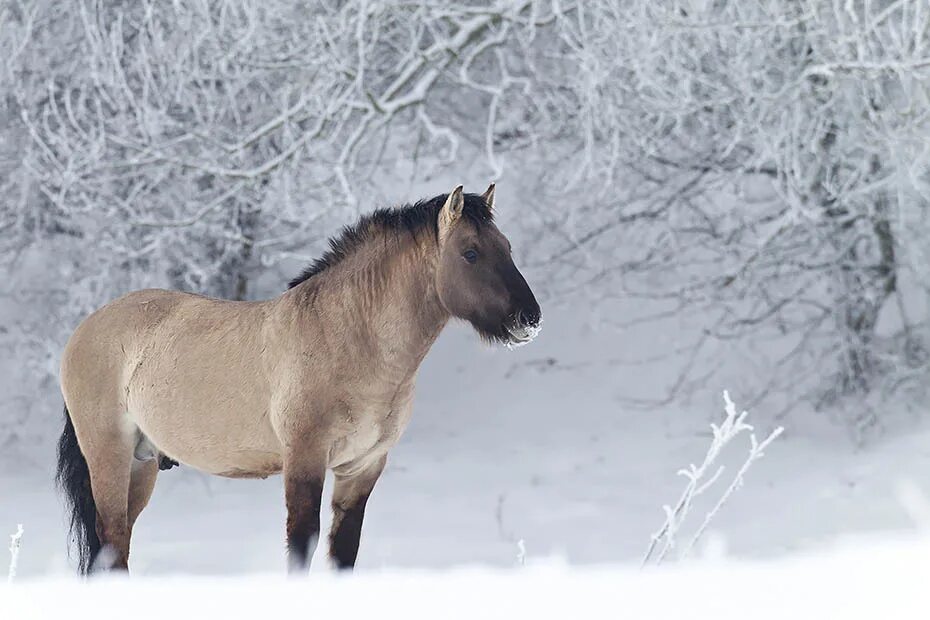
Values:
[(755, 171), (771, 155), (185, 144)]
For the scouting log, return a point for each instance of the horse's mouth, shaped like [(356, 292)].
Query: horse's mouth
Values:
[(522, 334)]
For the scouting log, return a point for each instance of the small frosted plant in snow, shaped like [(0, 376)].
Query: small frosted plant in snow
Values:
[(521, 553), (701, 478), (15, 541)]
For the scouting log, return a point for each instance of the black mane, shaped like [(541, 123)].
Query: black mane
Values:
[(414, 218)]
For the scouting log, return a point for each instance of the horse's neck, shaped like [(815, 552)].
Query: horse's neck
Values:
[(386, 300), (405, 314)]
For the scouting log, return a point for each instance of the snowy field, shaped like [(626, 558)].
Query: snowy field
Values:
[(506, 446), (866, 581)]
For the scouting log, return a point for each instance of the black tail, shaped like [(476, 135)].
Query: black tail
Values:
[(73, 479)]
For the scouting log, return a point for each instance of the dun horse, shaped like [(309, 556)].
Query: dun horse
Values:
[(320, 378)]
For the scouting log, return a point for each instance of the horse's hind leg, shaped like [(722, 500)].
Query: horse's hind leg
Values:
[(142, 476), (109, 459), (141, 485)]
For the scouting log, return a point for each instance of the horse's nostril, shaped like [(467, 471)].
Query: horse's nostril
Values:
[(528, 317)]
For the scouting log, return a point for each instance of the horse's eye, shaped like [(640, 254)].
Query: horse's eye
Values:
[(470, 256)]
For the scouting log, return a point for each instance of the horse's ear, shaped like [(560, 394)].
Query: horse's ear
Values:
[(451, 211), (488, 196)]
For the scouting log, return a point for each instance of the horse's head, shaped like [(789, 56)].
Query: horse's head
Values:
[(476, 278)]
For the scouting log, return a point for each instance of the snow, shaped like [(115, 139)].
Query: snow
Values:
[(849, 582)]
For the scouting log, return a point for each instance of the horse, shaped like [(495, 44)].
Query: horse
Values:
[(320, 378)]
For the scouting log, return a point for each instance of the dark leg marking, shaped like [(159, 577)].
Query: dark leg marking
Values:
[(349, 500), (346, 534), (302, 496)]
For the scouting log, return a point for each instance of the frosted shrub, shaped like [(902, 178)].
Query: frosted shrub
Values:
[(702, 477), (15, 541)]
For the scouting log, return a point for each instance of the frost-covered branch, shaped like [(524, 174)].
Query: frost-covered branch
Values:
[(702, 477), (755, 453), (15, 542)]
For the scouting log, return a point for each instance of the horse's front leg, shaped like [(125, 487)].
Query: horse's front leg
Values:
[(350, 495), (304, 472)]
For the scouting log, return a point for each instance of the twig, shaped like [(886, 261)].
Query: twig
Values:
[(15, 542), (698, 482)]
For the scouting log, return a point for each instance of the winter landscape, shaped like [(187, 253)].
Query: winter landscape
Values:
[(722, 208)]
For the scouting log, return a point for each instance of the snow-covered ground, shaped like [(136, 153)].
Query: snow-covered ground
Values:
[(885, 581), (509, 445)]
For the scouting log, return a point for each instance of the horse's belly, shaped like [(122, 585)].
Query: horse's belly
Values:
[(241, 460), (252, 464), (232, 440)]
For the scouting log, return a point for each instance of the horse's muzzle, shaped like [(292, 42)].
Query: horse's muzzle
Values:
[(522, 331)]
